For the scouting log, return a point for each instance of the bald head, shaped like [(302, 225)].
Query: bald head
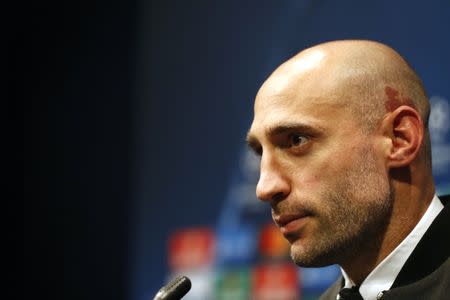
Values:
[(366, 78)]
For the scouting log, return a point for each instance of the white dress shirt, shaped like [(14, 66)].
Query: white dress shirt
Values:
[(383, 276)]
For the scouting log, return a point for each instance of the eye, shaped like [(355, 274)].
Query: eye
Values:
[(255, 149), (258, 151), (297, 140)]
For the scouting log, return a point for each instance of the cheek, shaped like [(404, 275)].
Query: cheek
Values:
[(325, 169), (311, 177)]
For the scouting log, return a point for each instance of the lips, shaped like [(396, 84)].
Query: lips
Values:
[(283, 219), (290, 223)]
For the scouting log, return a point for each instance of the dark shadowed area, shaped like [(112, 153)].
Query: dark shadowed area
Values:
[(135, 114)]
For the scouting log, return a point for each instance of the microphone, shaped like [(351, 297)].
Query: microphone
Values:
[(175, 289)]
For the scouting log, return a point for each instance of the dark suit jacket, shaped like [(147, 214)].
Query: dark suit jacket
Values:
[(426, 273)]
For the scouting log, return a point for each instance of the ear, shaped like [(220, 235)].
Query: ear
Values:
[(404, 129)]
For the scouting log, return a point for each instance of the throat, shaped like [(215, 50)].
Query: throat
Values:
[(363, 258), (358, 268)]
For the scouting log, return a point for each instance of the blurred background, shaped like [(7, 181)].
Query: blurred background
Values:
[(135, 114)]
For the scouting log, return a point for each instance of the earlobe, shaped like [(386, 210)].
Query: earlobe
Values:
[(406, 133)]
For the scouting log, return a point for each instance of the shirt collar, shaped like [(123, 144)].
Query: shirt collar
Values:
[(383, 276)]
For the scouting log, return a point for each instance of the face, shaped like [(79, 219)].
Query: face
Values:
[(321, 174)]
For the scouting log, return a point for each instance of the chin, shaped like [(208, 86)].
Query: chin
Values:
[(308, 256)]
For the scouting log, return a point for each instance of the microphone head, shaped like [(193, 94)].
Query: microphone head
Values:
[(175, 289)]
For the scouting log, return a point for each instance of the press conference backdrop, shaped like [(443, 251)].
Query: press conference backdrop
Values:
[(194, 204)]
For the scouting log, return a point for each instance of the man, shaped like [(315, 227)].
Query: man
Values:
[(342, 132)]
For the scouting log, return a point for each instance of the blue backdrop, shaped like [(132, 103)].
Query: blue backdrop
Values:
[(199, 66)]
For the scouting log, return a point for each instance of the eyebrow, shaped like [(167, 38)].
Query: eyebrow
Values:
[(289, 127), (252, 142), (282, 128)]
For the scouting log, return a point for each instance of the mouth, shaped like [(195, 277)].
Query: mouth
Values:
[(290, 224)]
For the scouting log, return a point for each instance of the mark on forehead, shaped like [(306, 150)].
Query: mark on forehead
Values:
[(395, 99)]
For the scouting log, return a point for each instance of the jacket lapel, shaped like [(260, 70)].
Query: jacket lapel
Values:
[(431, 251)]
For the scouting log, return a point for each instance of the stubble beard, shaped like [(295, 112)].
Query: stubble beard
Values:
[(353, 216)]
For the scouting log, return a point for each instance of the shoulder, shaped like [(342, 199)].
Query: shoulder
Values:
[(434, 286), (431, 252), (445, 199)]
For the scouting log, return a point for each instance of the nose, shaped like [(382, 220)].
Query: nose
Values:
[(272, 184)]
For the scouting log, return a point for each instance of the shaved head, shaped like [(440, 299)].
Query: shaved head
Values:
[(369, 79), (376, 76)]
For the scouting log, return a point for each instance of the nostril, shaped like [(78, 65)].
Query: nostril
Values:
[(278, 197)]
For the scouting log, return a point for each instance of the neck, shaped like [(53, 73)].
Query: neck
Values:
[(409, 206)]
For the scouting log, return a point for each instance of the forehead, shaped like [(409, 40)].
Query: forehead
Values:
[(315, 104)]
